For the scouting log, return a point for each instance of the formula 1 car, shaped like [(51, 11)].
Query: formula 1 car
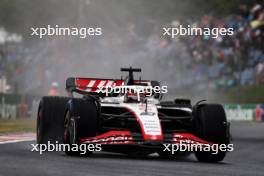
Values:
[(132, 121)]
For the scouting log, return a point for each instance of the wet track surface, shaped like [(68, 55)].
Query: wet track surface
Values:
[(246, 159)]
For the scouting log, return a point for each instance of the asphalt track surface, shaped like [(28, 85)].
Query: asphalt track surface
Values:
[(247, 159)]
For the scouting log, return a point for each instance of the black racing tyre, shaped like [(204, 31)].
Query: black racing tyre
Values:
[(50, 119), (211, 125), (81, 120)]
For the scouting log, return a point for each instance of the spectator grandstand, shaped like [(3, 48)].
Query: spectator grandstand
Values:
[(214, 63), (226, 61)]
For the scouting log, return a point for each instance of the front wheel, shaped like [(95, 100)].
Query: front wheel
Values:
[(81, 121), (211, 125)]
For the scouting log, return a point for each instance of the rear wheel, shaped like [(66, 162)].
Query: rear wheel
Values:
[(50, 119), (81, 120), (211, 125)]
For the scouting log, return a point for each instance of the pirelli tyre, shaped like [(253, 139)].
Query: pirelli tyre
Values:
[(50, 119), (211, 125), (81, 121)]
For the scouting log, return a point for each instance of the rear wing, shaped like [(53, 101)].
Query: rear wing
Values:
[(90, 85), (94, 85)]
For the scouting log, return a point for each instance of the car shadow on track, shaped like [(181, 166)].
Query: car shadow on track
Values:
[(152, 158)]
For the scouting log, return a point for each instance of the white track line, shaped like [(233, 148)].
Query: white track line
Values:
[(17, 137), (16, 141)]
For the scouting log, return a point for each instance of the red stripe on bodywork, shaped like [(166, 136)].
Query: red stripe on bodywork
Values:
[(111, 137), (82, 83), (95, 86), (184, 137)]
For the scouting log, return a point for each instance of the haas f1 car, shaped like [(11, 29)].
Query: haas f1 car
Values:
[(130, 121)]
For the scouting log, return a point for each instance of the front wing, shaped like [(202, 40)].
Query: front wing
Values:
[(125, 137)]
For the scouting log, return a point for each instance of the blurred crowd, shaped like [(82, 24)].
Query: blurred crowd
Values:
[(226, 61), (185, 61)]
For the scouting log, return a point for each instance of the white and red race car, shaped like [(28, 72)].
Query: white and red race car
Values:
[(130, 121)]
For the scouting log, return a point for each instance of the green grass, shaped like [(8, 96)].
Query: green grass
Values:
[(245, 94), (17, 125)]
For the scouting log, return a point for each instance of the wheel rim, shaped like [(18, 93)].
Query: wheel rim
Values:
[(66, 129), (69, 129), (39, 125)]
